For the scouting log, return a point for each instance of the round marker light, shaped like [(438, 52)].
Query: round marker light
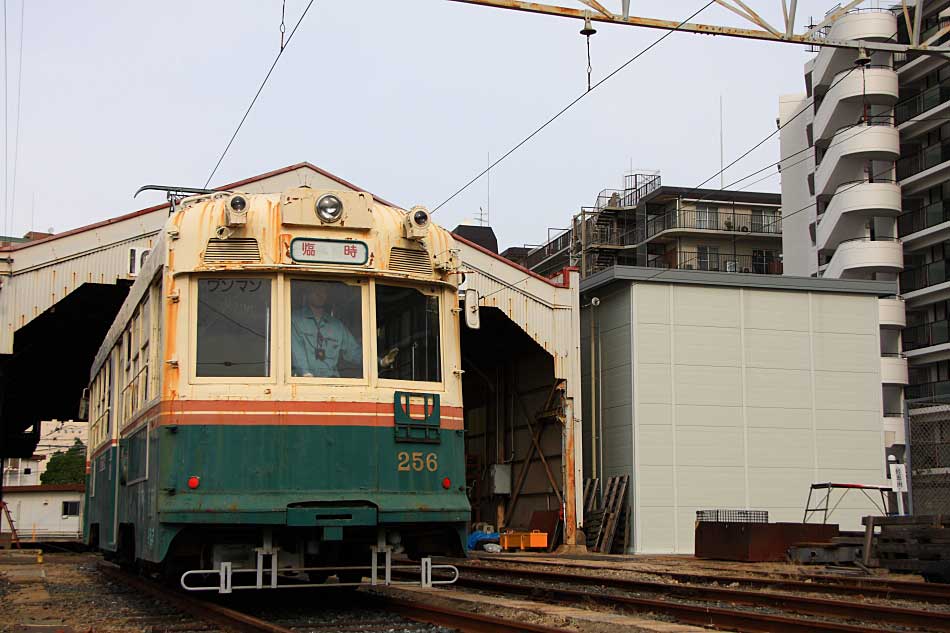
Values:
[(329, 208), (238, 204), (194, 482), (421, 218), (446, 483)]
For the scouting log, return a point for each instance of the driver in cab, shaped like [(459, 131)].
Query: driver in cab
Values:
[(320, 340)]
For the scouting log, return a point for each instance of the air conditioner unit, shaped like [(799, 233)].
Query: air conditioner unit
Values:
[(137, 255)]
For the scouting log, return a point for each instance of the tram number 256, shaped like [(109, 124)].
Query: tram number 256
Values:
[(417, 461)]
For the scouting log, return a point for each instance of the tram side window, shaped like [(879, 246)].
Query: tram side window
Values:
[(326, 320), (234, 327), (407, 334)]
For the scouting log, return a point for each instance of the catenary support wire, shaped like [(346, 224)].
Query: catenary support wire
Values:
[(258, 93)]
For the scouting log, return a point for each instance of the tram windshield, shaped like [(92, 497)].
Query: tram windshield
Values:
[(407, 334), (326, 329), (234, 325)]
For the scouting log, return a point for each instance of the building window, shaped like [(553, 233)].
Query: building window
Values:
[(707, 217), (70, 508), (234, 327), (27, 471), (765, 221), (708, 258), (763, 260)]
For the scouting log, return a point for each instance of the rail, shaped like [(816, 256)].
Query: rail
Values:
[(465, 621), (938, 390), (925, 276), (710, 606), (808, 605), (923, 160), (926, 334), (729, 263), (710, 219), (930, 98), (558, 244), (923, 218)]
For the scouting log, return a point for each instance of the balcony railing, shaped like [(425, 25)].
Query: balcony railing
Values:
[(926, 334), (729, 263), (873, 120), (556, 245), (929, 98), (928, 275), (923, 160), (721, 220), (923, 218), (939, 390)]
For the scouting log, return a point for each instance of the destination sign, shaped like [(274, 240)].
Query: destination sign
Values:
[(314, 251)]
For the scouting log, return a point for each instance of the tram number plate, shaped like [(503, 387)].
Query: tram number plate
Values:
[(417, 461), (315, 251)]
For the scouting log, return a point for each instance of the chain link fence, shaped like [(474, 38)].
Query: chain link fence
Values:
[(929, 459)]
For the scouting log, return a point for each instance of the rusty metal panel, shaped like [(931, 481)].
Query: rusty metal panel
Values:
[(756, 542)]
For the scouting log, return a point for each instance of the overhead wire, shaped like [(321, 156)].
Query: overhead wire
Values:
[(284, 45), (773, 164), (571, 105)]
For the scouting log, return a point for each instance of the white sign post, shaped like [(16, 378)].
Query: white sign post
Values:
[(899, 484)]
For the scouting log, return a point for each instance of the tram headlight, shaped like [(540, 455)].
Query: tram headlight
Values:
[(417, 223), (238, 204), (329, 208)]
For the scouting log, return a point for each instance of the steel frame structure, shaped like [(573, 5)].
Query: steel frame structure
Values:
[(597, 12)]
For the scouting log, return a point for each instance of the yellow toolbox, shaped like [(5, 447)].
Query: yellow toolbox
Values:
[(534, 539)]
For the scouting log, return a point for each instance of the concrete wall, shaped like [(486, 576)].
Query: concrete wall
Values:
[(730, 397), (799, 255), (38, 513)]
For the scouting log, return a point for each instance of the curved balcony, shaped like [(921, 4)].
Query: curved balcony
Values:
[(877, 85), (843, 159), (850, 208), (861, 24), (893, 369), (891, 313), (861, 257)]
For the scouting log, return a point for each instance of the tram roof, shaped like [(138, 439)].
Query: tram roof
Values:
[(228, 187)]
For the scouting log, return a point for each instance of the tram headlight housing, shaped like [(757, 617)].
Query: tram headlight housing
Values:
[(417, 223), (236, 211), (329, 208)]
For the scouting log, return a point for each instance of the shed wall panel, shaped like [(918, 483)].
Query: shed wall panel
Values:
[(741, 399)]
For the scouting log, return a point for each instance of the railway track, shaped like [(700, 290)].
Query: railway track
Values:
[(740, 610), (416, 616), (806, 583)]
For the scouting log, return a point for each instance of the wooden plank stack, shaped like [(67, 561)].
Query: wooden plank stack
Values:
[(605, 522), (915, 544)]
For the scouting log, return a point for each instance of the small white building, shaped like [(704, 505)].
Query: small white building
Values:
[(45, 513), (23, 471), (730, 391)]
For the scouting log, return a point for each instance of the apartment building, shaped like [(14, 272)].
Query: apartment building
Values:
[(865, 175), (646, 223)]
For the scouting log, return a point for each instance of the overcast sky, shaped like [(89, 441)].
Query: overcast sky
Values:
[(405, 98)]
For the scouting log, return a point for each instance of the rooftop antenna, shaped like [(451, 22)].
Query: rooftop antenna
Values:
[(484, 213)]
